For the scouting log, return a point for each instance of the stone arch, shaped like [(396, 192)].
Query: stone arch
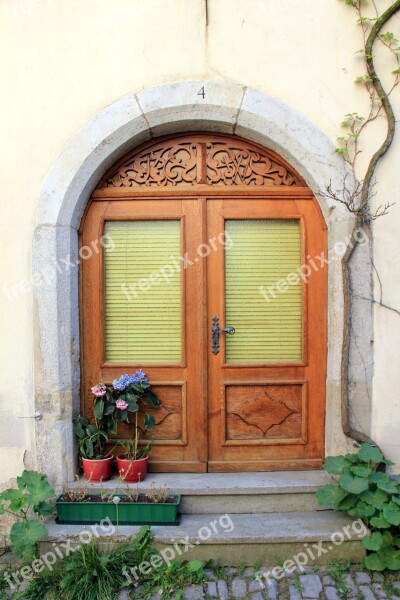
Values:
[(163, 110)]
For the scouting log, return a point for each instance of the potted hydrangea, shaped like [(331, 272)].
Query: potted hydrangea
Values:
[(121, 403)]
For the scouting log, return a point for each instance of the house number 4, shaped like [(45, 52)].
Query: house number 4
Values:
[(202, 92)]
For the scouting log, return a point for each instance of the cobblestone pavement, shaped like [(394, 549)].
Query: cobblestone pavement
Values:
[(325, 583)]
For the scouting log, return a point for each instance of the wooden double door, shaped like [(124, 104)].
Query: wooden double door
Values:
[(219, 297)]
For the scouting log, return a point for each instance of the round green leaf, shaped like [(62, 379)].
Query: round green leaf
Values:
[(369, 453), (362, 510), (354, 485), (387, 539), (379, 523), (391, 512), (391, 557), (373, 542), (329, 495), (361, 470), (16, 498), (24, 536), (336, 464), (384, 482), (348, 502), (374, 562), (376, 498)]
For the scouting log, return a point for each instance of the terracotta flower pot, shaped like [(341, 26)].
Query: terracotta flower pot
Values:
[(98, 469), (132, 470)]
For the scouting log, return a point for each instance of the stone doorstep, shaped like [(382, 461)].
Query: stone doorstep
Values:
[(254, 537), (221, 484), (236, 493)]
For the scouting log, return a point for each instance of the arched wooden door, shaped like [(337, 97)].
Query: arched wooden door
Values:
[(193, 234)]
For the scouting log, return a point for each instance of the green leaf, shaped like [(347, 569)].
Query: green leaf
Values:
[(384, 482), (24, 536), (391, 557), (109, 409), (391, 512), (376, 498), (2, 510), (36, 486), (113, 425), (396, 499), (194, 565), (369, 453), (78, 428), (123, 415), (362, 510), (354, 485), (153, 398), (44, 509), (16, 498), (374, 562), (330, 495), (374, 541), (348, 502), (149, 422), (336, 464), (132, 406), (387, 539), (379, 523), (361, 470), (98, 409), (353, 458)]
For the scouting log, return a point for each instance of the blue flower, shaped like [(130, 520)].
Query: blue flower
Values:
[(121, 383), (141, 377), (125, 380)]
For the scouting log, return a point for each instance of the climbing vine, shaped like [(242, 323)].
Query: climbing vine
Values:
[(356, 193)]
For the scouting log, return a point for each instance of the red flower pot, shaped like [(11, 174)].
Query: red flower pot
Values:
[(132, 470), (98, 469)]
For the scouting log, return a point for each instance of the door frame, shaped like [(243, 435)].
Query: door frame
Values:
[(66, 191)]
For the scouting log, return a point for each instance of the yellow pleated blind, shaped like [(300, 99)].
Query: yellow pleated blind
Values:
[(262, 253), (142, 292)]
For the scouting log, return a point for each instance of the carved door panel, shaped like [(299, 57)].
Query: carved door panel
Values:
[(266, 382)]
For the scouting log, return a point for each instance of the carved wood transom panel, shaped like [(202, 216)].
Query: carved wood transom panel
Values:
[(201, 159)]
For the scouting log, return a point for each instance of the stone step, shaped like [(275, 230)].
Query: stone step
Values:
[(233, 539), (236, 493)]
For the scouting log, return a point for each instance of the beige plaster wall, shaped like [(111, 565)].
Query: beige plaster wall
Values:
[(62, 61)]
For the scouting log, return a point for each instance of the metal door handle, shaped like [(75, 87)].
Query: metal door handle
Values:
[(216, 332)]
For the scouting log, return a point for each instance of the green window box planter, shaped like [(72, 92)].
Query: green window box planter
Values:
[(123, 513)]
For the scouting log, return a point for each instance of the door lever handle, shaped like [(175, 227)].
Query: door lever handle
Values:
[(216, 332)]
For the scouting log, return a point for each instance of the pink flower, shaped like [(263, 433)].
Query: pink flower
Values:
[(99, 389), (121, 404)]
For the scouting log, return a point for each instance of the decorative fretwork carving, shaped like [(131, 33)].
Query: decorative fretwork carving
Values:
[(202, 160), (231, 165), (159, 165)]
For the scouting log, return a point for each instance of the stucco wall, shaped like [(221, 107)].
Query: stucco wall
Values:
[(66, 60)]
